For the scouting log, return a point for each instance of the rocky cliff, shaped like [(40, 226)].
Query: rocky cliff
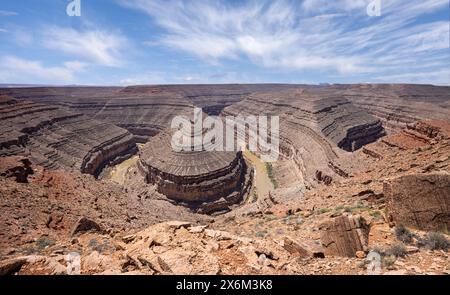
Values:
[(57, 138)]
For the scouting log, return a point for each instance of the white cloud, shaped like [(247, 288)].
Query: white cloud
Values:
[(3, 30), (94, 46), (144, 79), (18, 70), (76, 66), (441, 77), (310, 35)]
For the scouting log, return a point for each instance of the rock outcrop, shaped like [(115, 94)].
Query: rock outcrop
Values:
[(344, 236), (56, 138), (312, 123), (206, 181), (419, 200), (16, 167), (398, 105)]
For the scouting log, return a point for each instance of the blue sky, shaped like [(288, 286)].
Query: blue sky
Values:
[(126, 42)]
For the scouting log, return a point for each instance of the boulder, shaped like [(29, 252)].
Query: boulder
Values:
[(16, 167), (344, 235), (303, 249), (84, 225), (11, 266), (419, 200)]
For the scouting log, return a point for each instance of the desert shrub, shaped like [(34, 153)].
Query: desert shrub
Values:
[(44, 242), (397, 250), (271, 175), (261, 234), (389, 262), (375, 214), (436, 241), (324, 210), (379, 250), (403, 234)]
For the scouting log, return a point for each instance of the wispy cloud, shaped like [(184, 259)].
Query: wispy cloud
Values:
[(7, 13), (319, 35), (94, 46), (24, 70)]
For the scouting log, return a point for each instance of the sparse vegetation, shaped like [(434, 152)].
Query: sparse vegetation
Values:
[(436, 241), (389, 256), (403, 234), (397, 250), (44, 242), (261, 234), (375, 214), (355, 208), (271, 175), (389, 262), (324, 210)]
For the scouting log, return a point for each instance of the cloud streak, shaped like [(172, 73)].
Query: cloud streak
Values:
[(23, 70), (306, 35), (94, 46)]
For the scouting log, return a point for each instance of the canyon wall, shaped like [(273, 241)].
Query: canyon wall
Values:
[(205, 181), (57, 138)]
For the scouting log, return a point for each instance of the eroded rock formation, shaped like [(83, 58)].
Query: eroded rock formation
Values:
[(56, 138), (207, 181), (419, 200), (344, 235), (312, 123)]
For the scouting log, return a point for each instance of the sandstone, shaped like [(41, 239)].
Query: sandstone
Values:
[(68, 130), (344, 235), (17, 167), (412, 249), (197, 229), (57, 138), (216, 181), (303, 248), (84, 225), (360, 254), (9, 267), (178, 224), (419, 200)]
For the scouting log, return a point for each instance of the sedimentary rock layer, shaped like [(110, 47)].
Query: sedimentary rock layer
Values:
[(312, 123), (212, 98), (344, 235), (208, 181), (397, 105), (143, 113), (419, 200), (56, 138)]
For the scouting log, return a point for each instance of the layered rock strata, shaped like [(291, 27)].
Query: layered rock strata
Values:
[(344, 236), (143, 113), (398, 105), (312, 124), (205, 181), (56, 138)]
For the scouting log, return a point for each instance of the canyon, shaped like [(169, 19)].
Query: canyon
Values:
[(355, 162)]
